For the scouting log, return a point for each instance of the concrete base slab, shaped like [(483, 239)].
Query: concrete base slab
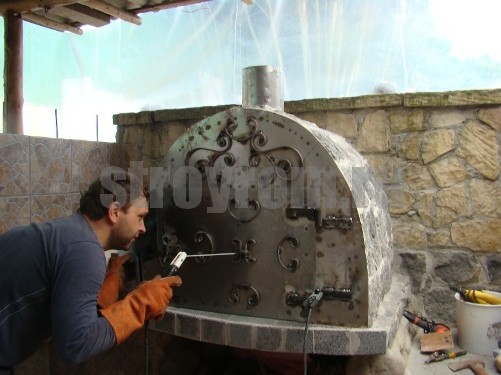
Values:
[(287, 336)]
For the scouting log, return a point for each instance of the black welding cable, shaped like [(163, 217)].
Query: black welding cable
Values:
[(146, 346), (140, 277), (305, 353)]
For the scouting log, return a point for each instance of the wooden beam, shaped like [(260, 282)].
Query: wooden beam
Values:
[(81, 14), (13, 73), (29, 5), (44, 21), (137, 3), (175, 4), (112, 11)]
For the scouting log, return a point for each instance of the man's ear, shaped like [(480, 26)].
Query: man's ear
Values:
[(113, 212)]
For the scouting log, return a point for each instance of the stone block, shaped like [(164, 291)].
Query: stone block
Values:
[(214, 331), (14, 211), (415, 266), (406, 120), (410, 235), (492, 266), (114, 155), (294, 340), (439, 238), (446, 118), (437, 143), (189, 327), (167, 324), (269, 339), (410, 148), (87, 161), (491, 117), (479, 147), (455, 268), (440, 305), (384, 168), (50, 166), (477, 234), (455, 198), (417, 177), (343, 124), (367, 342), (316, 118), (51, 206), (374, 133), (485, 197), (241, 336), (400, 201), (325, 341), (14, 164), (448, 171), (424, 206)]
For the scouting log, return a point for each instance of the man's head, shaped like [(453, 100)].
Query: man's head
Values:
[(121, 201), (122, 188)]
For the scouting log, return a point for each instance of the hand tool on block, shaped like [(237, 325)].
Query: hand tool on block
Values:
[(444, 354), (478, 367), (436, 342)]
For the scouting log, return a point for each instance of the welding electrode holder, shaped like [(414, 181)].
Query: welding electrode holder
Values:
[(311, 302), (173, 267)]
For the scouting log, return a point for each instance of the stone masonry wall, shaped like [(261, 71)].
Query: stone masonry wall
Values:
[(437, 156)]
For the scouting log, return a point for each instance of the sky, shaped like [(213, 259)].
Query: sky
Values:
[(194, 56)]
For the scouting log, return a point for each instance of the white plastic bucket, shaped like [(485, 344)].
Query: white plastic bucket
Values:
[(479, 326)]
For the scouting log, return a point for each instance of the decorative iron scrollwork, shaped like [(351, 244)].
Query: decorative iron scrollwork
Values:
[(171, 245), (244, 215), (293, 263), (257, 140), (253, 296), (200, 237), (242, 252)]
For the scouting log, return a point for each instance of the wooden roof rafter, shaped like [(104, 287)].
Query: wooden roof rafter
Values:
[(113, 11), (51, 24), (71, 15)]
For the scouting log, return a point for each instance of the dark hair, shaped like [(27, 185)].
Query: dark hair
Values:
[(122, 187)]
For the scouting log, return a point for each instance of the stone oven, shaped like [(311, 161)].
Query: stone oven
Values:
[(286, 226)]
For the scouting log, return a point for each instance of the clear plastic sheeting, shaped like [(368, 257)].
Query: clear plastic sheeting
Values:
[(193, 56)]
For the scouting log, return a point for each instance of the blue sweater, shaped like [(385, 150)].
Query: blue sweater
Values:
[(50, 277)]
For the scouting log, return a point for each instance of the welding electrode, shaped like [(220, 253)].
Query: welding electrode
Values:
[(208, 255), (173, 267)]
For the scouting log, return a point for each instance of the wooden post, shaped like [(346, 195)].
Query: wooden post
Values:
[(13, 73)]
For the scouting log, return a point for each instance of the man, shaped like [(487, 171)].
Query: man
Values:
[(52, 275)]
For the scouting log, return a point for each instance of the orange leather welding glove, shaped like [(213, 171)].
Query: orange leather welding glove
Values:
[(148, 301), (112, 281)]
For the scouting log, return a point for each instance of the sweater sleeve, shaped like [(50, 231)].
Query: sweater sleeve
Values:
[(78, 331)]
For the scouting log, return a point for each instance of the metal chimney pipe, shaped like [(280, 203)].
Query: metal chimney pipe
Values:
[(261, 87)]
